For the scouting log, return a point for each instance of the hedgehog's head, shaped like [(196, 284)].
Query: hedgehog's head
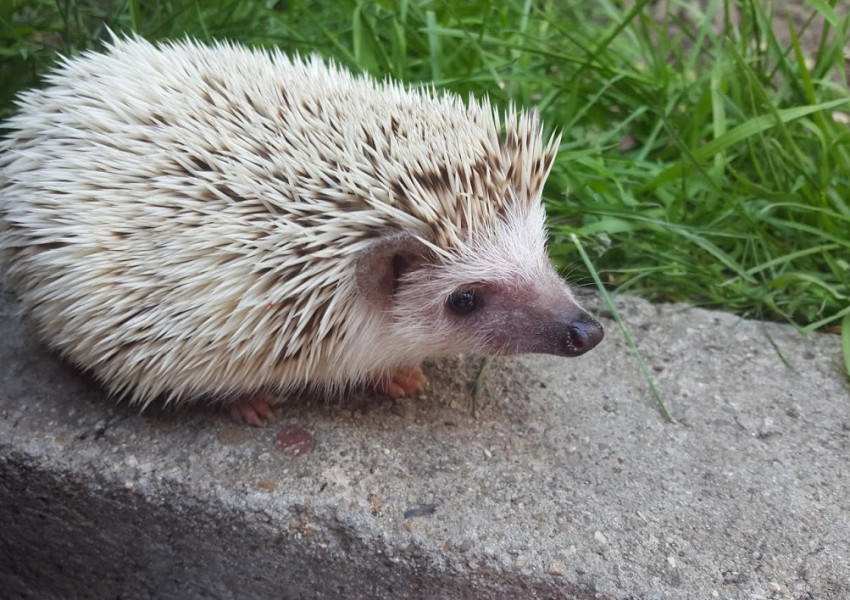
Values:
[(494, 294), (464, 267)]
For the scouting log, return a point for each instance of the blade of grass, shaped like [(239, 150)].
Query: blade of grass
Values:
[(624, 330), (827, 11), (845, 342), (329, 36), (826, 321), (737, 135), (433, 45)]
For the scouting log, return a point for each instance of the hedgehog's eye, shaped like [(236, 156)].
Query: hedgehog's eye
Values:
[(464, 301)]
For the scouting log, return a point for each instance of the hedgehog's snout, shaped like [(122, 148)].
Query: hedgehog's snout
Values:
[(582, 335)]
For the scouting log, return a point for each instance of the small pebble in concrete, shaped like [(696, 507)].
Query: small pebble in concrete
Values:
[(423, 510)]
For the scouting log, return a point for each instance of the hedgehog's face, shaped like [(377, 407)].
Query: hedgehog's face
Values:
[(496, 295), (447, 312), (520, 317)]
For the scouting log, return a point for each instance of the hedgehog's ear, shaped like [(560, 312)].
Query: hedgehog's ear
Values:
[(380, 266)]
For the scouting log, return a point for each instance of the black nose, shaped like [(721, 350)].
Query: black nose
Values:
[(582, 335)]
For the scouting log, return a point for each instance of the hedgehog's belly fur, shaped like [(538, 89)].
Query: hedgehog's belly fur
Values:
[(192, 328), (145, 336)]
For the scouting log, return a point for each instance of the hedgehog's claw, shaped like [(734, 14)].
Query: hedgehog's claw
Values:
[(253, 409), (401, 382)]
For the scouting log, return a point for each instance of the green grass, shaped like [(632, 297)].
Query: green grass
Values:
[(702, 163)]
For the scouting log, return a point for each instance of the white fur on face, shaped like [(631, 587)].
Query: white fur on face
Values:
[(508, 266)]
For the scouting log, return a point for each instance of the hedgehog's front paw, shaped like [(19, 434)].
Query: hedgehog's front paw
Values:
[(253, 409), (401, 382)]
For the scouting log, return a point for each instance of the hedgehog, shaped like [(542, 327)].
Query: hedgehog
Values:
[(193, 221)]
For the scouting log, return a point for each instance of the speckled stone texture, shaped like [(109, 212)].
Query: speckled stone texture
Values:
[(563, 482)]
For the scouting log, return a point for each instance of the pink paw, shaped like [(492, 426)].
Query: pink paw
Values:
[(253, 409), (401, 382)]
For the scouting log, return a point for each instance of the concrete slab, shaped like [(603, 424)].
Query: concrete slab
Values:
[(567, 483)]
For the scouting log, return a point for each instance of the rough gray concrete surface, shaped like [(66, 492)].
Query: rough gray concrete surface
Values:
[(566, 483)]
